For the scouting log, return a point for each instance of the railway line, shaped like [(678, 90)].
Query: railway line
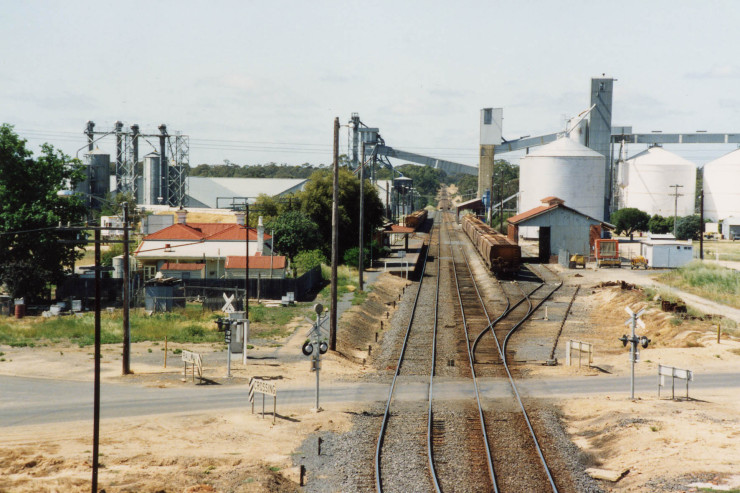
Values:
[(484, 445)]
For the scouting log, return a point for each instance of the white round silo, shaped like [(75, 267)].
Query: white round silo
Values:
[(152, 179), (567, 170), (646, 182), (722, 187)]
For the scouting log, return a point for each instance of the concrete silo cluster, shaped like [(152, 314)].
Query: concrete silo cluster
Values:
[(657, 181)]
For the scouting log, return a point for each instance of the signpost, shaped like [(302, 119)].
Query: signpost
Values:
[(674, 373), (194, 359), (633, 322), (265, 388), (315, 349)]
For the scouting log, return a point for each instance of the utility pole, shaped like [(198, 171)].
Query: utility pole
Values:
[(501, 206), (334, 241), (96, 378), (126, 295), (362, 215), (490, 200), (675, 205), (246, 265), (701, 228)]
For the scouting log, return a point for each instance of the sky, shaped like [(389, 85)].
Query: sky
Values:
[(262, 81)]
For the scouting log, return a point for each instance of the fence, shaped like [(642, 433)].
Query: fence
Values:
[(209, 291)]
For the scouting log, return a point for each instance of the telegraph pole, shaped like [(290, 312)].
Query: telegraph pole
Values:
[(362, 214), (675, 205), (126, 295), (701, 228), (334, 241)]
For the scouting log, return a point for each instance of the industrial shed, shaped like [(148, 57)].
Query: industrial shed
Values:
[(562, 230)]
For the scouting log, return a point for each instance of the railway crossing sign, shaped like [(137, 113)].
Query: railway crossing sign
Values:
[(265, 388), (634, 321), (228, 307)]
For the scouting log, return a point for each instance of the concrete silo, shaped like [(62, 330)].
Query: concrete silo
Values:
[(152, 179), (567, 170), (722, 187), (97, 177), (646, 181)]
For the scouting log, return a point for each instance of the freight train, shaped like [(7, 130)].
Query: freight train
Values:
[(416, 219), (501, 255)]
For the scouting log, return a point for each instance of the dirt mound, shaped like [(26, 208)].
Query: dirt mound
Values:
[(665, 329), (357, 328)]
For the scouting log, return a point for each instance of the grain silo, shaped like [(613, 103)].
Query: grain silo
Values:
[(722, 187), (98, 176), (152, 180), (567, 170), (647, 181)]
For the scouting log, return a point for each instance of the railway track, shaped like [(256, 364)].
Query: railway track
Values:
[(481, 445), (517, 438)]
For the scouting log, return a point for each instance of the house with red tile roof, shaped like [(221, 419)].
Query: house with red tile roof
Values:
[(207, 244), (264, 266)]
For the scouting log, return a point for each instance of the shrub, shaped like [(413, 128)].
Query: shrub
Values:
[(307, 260), (352, 255)]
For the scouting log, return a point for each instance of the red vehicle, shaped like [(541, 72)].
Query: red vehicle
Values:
[(607, 253)]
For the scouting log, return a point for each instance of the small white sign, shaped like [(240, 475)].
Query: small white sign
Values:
[(228, 307)]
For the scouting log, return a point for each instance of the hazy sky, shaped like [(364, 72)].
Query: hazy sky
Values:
[(254, 82)]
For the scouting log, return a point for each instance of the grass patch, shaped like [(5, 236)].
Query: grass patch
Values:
[(189, 325), (359, 297), (707, 280), (346, 276)]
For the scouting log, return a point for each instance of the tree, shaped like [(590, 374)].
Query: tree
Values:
[(316, 202), (629, 220), (688, 227), (31, 256), (294, 232), (660, 225)]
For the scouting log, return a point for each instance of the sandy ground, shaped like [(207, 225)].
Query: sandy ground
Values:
[(664, 445)]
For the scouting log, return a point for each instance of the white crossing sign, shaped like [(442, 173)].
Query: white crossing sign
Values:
[(580, 347), (265, 388), (195, 359), (674, 373), (228, 307)]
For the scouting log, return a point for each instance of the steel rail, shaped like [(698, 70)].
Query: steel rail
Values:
[(506, 311), (489, 457), (430, 452), (516, 391), (502, 353), (378, 486)]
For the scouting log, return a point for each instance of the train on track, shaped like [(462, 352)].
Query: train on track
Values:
[(501, 255), (416, 219)]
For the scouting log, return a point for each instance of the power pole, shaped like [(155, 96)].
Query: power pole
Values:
[(334, 241), (675, 206), (362, 215), (701, 228), (126, 295), (501, 206)]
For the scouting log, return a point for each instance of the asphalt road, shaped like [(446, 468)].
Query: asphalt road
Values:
[(27, 401)]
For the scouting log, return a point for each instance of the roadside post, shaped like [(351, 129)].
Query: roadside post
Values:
[(315, 347), (224, 325), (634, 340)]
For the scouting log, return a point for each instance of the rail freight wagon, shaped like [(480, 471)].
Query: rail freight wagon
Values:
[(501, 255), (416, 219)]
